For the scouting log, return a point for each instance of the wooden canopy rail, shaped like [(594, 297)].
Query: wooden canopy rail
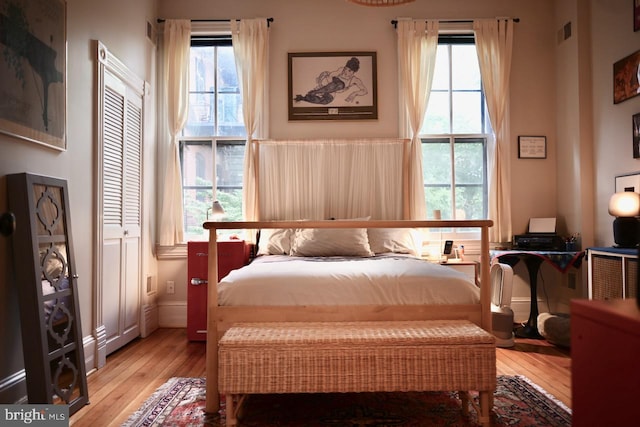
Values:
[(220, 318)]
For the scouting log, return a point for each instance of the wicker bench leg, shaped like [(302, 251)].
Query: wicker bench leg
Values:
[(234, 407), (483, 408), (484, 414), (230, 410), (464, 398)]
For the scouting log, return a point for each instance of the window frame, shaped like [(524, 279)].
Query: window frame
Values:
[(460, 235), (212, 141)]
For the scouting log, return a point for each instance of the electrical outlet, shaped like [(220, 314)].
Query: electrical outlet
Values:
[(171, 287)]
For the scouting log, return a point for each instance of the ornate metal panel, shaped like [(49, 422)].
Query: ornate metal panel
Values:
[(46, 278)]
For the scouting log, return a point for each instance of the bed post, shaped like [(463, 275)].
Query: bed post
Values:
[(213, 399), (485, 281)]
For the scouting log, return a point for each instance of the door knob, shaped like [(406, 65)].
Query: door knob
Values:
[(196, 281)]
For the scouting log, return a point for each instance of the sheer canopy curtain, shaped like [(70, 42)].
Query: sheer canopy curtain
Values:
[(250, 38), (417, 45), (322, 179), (494, 42), (175, 87)]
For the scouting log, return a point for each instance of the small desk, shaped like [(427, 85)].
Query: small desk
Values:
[(561, 261)]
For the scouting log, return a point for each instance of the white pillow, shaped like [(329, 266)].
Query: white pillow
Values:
[(331, 242), (275, 241), (396, 240)]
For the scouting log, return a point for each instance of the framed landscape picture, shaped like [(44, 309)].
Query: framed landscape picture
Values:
[(33, 72), (332, 86)]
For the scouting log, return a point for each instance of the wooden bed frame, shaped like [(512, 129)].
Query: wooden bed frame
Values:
[(221, 318)]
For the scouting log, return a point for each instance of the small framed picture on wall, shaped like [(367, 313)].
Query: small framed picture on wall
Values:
[(532, 147), (636, 136), (636, 15)]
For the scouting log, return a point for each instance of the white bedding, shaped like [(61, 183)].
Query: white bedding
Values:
[(281, 280)]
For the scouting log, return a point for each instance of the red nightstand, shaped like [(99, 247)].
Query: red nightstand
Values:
[(232, 254)]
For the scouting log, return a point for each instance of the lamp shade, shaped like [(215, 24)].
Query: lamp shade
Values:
[(217, 210), (625, 204)]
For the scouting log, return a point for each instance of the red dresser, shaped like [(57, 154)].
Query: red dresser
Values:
[(605, 362), (232, 254)]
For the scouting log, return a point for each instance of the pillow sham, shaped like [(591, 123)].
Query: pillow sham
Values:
[(275, 241), (331, 242), (396, 240)]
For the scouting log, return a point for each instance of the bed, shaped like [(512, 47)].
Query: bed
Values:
[(222, 317), (358, 179)]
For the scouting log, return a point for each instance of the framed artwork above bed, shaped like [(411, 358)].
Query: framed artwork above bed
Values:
[(332, 86)]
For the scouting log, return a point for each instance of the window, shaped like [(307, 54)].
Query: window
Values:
[(454, 134), (214, 121)]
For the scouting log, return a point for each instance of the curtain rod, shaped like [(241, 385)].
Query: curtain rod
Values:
[(451, 21), (161, 20)]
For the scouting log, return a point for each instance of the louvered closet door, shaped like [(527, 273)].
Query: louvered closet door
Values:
[(121, 208)]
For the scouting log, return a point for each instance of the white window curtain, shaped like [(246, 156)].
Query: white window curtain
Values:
[(494, 42), (322, 179), (250, 38), (417, 45), (175, 88)]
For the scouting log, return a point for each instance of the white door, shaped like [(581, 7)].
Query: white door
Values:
[(119, 279)]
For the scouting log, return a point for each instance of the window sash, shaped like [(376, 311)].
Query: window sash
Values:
[(200, 189)]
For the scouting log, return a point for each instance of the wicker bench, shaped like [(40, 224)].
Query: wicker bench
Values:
[(433, 355)]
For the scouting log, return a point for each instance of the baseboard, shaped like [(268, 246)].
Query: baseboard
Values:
[(89, 347), (101, 346), (150, 319), (172, 314), (13, 389), (522, 307)]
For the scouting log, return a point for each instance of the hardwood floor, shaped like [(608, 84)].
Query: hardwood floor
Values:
[(133, 373)]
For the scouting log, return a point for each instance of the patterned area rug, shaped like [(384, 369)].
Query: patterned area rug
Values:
[(518, 402)]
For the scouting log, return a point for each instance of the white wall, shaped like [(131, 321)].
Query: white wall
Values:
[(121, 25), (612, 39)]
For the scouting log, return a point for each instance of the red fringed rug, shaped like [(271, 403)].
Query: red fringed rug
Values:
[(518, 402)]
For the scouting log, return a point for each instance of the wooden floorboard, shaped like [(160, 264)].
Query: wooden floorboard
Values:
[(134, 372)]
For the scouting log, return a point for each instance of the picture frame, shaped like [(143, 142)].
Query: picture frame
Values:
[(626, 78), (532, 147), (332, 86), (636, 15), (635, 121), (33, 71), (627, 182)]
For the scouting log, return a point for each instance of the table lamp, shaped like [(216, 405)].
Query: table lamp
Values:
[(625, 206)]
